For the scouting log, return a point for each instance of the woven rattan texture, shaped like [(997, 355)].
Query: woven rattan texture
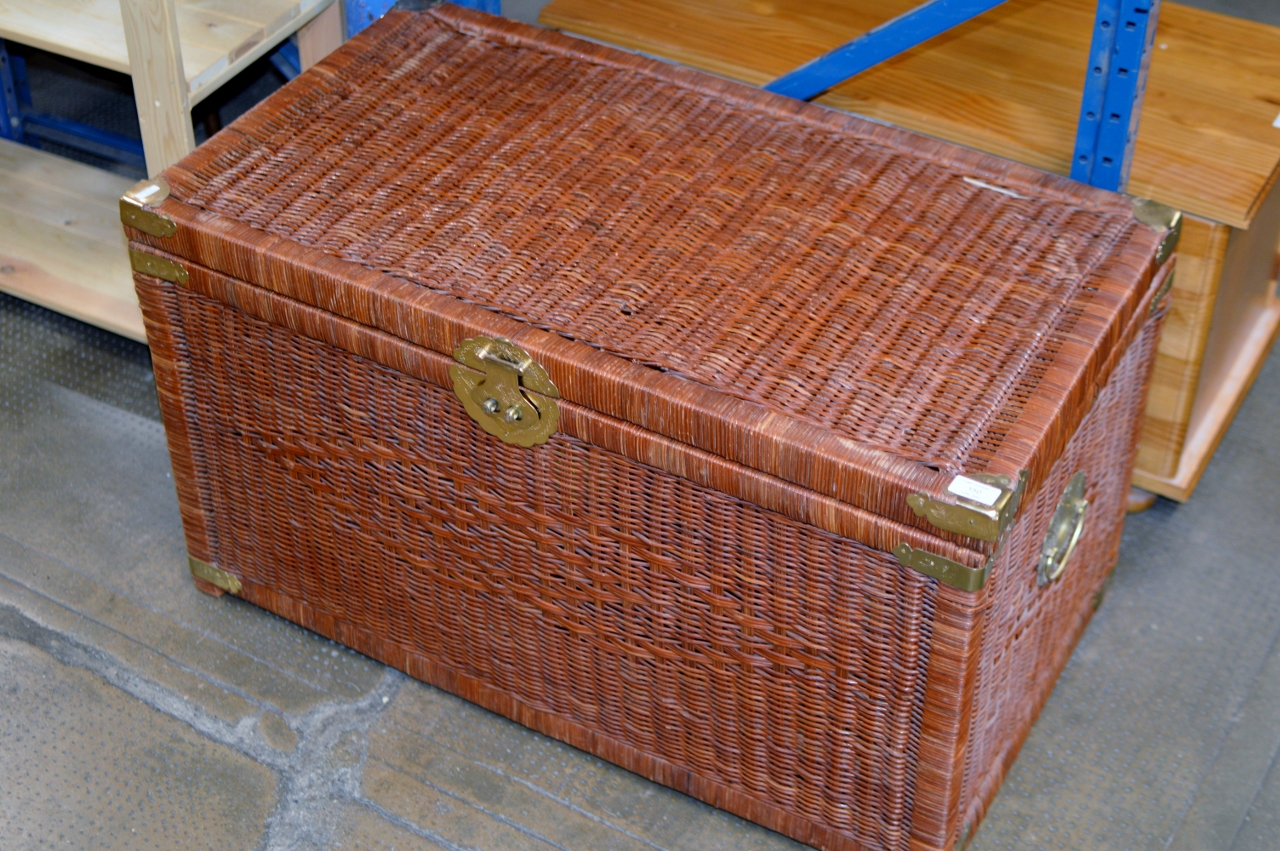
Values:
[(864, 288), (757, 656), (712, 634)]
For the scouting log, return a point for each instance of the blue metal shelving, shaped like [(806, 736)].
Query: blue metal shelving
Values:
[(1123, 35)]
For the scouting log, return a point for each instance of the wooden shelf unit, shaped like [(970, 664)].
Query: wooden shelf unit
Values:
[(219, 38), (1009, 83), (61, 243)]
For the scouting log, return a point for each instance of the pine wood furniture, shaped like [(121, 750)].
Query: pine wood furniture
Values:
[(1009, 83), (53, 243)]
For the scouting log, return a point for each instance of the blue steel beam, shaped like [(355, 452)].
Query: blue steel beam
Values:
[(884, 42), (20, 123), (18, 67), (1101, 51), (84, 137), (1115, 83)]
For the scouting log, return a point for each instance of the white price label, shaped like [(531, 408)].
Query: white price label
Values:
[(974, 490)]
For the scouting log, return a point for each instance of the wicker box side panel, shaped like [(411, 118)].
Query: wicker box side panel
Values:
[(171, 362), (781, 669), (1031, 630)]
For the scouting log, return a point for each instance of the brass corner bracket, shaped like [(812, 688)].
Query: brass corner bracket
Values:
[(137, 203), (984, 505), (1160, 217), (944, 569), (228, 582), (157, 267)]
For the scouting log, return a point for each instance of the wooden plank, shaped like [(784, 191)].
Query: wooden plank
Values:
[(1246, 292), (263, 14), (218, 37), (159, 86), (1176, 373), (62, 210), (274, 31), (320, 37), (69, 272), (1246, 317), (88, 30), (69, 254), (1008, 82), (32, 282), (61, 244), (88, 184)]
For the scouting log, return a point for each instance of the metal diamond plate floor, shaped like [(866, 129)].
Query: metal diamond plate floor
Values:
[(136, 712)]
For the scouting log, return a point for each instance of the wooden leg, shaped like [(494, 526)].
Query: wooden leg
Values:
[(321, 36), (159, 81), (1140, 500)]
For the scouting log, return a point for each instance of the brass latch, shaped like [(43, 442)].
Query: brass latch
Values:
[(136, 203), (214, 575), (505, 391), (984, 506), (944, 569)]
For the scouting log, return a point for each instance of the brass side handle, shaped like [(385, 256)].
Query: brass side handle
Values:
[(1065, 530)]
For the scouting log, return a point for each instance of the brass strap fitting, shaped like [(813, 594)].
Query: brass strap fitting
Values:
[(1162, 218), (214, 575), (157, 267), (944, 569)]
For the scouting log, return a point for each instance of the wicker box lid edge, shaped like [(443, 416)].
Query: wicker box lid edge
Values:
[(1125, 276)]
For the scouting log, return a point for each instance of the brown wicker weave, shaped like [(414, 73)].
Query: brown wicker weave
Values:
[(769, 324)]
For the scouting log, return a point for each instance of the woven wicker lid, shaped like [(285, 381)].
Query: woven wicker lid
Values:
[(905, 294)]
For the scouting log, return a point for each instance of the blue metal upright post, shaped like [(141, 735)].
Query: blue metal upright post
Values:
[(10, 107), (286, 60), (1115, 82)]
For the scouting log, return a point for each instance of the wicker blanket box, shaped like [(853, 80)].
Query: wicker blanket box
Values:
[(775, 455)]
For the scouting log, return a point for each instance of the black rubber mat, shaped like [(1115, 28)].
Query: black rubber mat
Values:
[(40, 347)]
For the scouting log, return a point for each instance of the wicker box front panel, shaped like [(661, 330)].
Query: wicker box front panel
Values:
[(759, 653), (798, 678)]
